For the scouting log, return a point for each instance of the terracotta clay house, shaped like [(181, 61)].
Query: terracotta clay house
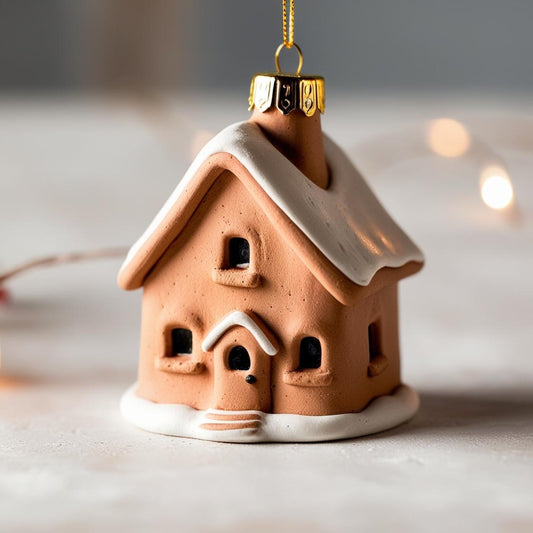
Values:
[(270, 291)]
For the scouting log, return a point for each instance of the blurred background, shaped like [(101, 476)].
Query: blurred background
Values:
[(103, 105), (65, 45)]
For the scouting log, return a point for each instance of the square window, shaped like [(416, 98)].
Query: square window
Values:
[(239, 253), (181, 342)]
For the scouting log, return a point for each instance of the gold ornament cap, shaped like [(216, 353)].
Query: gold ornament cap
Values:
[(287, 92)]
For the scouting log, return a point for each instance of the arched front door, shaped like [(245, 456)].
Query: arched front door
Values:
[(242, 373), (241, 363)]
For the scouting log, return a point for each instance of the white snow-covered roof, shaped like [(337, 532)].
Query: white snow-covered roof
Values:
[(346, 222)]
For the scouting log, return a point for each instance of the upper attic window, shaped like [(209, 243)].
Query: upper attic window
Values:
[(236, 267), (239, 253)]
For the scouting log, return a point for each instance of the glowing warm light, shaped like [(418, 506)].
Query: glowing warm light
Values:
[(448, 138), (496, 188)]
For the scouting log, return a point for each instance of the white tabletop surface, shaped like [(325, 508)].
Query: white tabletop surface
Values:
[(79, 174)]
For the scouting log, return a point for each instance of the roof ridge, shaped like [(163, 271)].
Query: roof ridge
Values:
[(346, 221)]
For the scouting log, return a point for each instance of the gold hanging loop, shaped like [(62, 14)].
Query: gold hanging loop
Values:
[(288, 36), (300, 58), (285, 91)]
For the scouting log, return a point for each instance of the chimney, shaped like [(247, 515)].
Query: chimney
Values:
[(287, 108)]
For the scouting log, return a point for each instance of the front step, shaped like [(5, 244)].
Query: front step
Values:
[(219, 420)]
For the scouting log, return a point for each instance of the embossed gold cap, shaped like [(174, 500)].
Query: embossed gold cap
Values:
[(287, 92)]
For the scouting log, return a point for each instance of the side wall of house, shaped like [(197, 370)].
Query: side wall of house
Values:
[(191, 288), (356, 375)]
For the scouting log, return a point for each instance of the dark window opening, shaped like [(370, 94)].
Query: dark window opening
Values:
[(239, 253), (239, 359), (310, 353), (374, 342), (181, 342)]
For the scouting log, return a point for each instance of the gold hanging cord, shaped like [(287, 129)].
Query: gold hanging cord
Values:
[(288, 40), (288, 37)]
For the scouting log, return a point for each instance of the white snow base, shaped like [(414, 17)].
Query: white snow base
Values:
[(180, 420)]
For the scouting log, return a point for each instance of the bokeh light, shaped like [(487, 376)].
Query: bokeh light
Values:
[(496, 187), (448, 137)]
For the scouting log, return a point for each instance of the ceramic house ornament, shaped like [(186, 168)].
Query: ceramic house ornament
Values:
[(270, 276)]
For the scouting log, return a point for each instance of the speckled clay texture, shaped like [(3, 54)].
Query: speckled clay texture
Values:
[(325, 259)]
